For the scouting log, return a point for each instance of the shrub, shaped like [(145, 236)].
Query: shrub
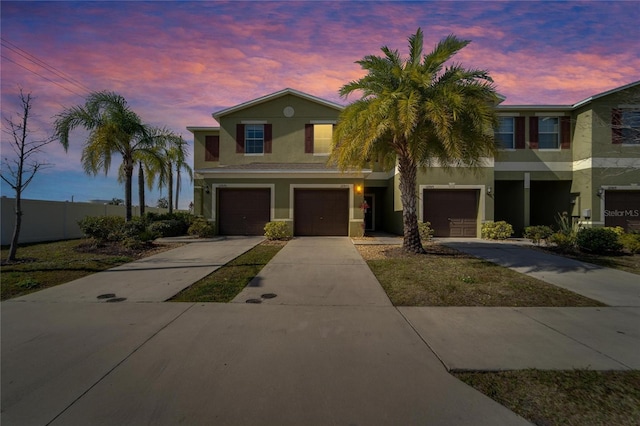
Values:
[(564, 242), (630, 242), (134, 227), (277, 231), (538, 233), (103, 228), (201, 227), (500, 230), (619, 230), (425, 231), (598, 240), (167, 228), (184, 218)]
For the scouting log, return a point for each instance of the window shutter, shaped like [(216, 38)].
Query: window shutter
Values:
[(565, 132), (616, 126), (519, 129), (533, 132), (240, 138), (308, 138), (212, 148), (267, 138)]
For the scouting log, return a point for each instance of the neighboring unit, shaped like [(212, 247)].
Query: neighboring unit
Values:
[(268, 162)]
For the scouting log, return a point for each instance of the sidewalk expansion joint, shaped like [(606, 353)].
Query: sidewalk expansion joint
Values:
[(423, 340)]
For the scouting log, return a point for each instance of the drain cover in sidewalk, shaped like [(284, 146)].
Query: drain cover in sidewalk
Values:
[(116, 299), (253, 301), (107, 296), (269, 295)]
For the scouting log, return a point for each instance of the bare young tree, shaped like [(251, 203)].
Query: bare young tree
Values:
[(20, 170)]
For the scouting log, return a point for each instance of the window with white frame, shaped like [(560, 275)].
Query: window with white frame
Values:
[(548, 134), (254, 139), (505, 133), (322, 134)]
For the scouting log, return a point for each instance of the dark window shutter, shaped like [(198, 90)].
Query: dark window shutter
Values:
[(212, 148), (519, 129), (240, 138), (533, 132), (267, 138), (308, 138), (565, 132), (616, 126)]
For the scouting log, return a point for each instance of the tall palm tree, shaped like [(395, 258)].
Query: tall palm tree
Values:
[(113, 129), (174, 155), (413, 111)]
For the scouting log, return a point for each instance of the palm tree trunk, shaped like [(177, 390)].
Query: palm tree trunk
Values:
[(170, 188), (128, 170), (408, 171), (141, 188), (177, 186)]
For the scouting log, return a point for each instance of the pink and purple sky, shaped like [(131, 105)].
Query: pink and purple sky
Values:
[(177, 62)]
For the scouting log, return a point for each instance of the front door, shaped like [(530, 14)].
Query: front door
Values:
[(369, 215)]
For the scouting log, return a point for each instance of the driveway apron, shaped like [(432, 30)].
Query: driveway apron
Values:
[(316, 271)]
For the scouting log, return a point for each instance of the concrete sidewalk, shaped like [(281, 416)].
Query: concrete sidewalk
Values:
[(152, 279)]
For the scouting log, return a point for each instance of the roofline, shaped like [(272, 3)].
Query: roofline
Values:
[(608, 92), (275, 95), (535, 107), (202, 128)]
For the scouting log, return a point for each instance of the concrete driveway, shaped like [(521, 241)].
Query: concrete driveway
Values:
[(342, 355)]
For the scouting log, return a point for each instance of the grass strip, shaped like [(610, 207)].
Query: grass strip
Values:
[(447, 277), (578, 397), (225, 283)]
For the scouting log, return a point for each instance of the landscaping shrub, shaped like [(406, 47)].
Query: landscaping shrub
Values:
[(630, 242), (135, 227), (277, 231), (103, 228), (538, 233), (201, 227), (167, 228), (563, 242), (500, 230), (184, 218), (598, 240), (425, 231)]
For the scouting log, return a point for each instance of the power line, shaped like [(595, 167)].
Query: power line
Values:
[(39, 62), (42, 76)]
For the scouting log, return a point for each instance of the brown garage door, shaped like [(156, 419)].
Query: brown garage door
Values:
[(622, 208), (243, 211), (321, 212), (452, 213)]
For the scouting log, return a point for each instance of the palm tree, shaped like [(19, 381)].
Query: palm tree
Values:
[(113, 128), (175, 158), (415, 111)]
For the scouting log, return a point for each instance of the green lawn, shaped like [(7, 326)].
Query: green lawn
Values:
[(446, 277), (579, 397)]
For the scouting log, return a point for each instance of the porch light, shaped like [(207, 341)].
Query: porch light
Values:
[(488, 190), (206, 189), (600, 192), (358, 189)]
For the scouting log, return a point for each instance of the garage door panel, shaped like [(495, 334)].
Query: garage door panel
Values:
[(321, 212), (452, 213), (243, 211)]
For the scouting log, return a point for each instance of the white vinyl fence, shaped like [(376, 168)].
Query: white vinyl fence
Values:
[(54, 220)]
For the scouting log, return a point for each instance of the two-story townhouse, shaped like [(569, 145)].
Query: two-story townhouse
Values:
[(267, 161)]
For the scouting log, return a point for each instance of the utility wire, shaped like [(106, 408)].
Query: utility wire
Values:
[(39, 62), (42, 76)]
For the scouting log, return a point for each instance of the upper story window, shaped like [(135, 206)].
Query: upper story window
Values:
[(254, 139), (505, 133), (625, 126), (212, 148), (548, 134), (318, 138)]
